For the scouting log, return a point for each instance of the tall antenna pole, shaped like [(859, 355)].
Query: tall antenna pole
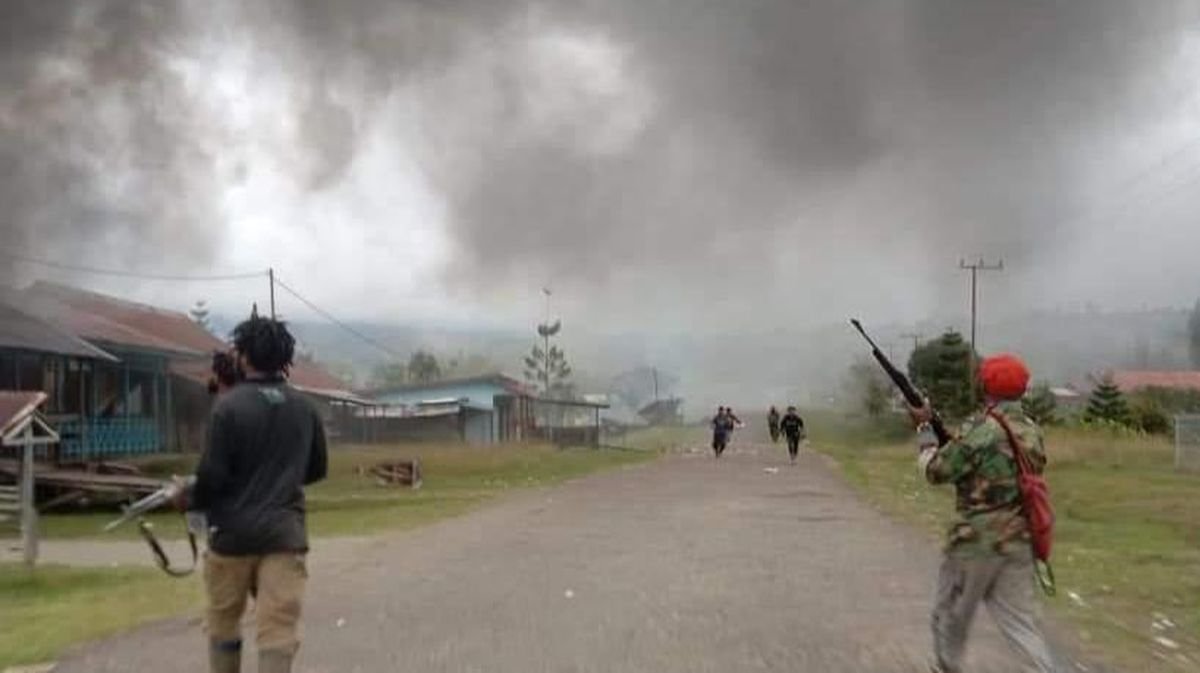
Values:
[(975, 267), (546, 345), (271, 276)]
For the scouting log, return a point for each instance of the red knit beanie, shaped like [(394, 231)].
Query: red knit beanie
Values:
[(1004, 377)]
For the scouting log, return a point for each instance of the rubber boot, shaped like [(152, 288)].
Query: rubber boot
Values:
[(275, 661), (225, 656)]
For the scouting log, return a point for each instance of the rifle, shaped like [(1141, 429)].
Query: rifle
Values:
[(910, 393), (163, 496)]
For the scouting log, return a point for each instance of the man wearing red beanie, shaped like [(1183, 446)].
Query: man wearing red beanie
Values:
[(989, 558)]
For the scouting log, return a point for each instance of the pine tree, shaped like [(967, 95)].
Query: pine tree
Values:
[(942, 369), (546, 365), (1107, 403), (199, 314), (1040, 404)]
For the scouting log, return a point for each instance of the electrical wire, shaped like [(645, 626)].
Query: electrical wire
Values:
[(331, 318), (130, 274)]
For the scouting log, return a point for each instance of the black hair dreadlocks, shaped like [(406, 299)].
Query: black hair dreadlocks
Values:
[(266, 343)]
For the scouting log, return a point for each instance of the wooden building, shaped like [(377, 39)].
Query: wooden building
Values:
[(126, 378)]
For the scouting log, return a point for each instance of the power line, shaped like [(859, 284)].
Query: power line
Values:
[(328, 316), (63, 266)]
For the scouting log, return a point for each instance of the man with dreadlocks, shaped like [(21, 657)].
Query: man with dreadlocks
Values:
[(266, 442)]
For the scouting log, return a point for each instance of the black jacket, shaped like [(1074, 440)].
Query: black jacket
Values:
[(792, 425), (265, 443)]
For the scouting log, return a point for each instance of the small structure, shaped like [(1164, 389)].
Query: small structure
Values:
[(23, 427), (1068, 400), (478, 410), (663, 412)]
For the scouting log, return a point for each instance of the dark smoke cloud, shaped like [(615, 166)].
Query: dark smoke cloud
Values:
[(103, 155), (957, 125), (700, 146)]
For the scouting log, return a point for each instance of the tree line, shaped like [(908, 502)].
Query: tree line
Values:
[(942, 369)]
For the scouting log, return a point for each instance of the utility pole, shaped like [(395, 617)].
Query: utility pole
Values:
[(654, 370), (975, 267), (271, 276), (916, 338), (546, 345)]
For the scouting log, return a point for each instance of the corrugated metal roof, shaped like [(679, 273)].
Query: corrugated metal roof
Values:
[(108, 320), (1129, 381), (20, 330), (508, 383), (105, 319)]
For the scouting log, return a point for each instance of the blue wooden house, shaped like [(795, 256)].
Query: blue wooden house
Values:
[(477, 410), (135, 382), (481, 410), (120, 403)]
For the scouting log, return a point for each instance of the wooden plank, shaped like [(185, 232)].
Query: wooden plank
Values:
[(86, 480)]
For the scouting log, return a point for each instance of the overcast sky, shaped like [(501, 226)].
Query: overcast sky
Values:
[(662, 164)]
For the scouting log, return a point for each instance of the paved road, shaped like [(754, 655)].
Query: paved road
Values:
[(687, 564)]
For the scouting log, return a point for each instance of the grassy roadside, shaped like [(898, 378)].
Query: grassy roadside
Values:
[(457, 478), (45, 611), (1127, 551)]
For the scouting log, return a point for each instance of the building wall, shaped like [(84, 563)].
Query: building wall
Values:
[(479, 427)]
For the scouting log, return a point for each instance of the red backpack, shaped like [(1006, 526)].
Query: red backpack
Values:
[(1035, 503)]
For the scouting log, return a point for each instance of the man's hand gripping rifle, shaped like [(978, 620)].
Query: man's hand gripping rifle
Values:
[(171, 493), (914, 399)]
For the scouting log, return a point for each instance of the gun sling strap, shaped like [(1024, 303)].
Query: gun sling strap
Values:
[(160, 555)]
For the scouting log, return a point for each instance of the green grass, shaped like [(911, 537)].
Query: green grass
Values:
[(46, 610), (457, 478), (1127, 538)]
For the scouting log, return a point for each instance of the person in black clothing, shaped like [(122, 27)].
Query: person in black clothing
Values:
[(773, 424), (793, 428), (720, 428), (266, 442)]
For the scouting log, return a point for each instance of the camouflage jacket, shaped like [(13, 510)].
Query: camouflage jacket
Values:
[(979, 462)]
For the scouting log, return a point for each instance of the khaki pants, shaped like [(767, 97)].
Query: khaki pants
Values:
[(276, 582), (1005, 585)]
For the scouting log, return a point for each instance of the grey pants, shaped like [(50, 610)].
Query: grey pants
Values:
[(1005, 585)]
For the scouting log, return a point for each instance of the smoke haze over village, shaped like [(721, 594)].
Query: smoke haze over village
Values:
[(672, 169)]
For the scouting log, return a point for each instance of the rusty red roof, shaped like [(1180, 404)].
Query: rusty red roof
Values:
[(15, 405), (1129, 381), (117, 322), (304, 376), (109, 320)]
